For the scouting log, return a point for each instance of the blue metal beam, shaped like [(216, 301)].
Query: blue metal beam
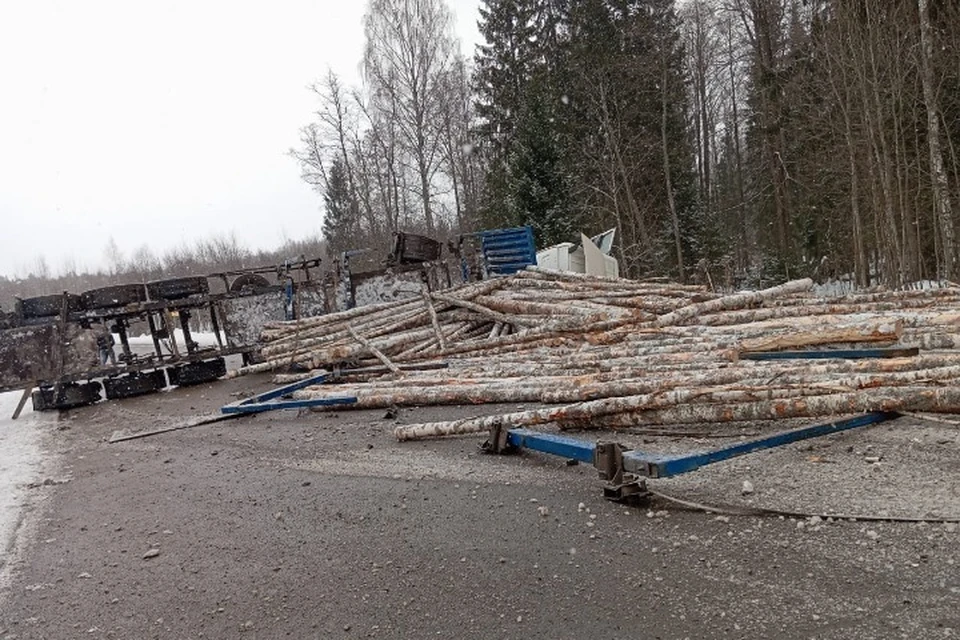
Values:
[(662, 466), (279, 392), (269, 401), (845, 354), (563, 446), (247, 406)]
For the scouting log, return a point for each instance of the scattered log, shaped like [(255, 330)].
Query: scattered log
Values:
[(618, 353), (735, 301), (496, 316), (873, 332), (376, 352), (433, 319), (898, 399)]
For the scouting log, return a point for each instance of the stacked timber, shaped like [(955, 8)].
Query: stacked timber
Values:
[(614, 353)]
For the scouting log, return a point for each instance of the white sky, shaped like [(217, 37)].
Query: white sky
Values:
[(161, 121)]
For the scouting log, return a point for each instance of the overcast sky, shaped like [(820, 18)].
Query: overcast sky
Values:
[(158, 122)]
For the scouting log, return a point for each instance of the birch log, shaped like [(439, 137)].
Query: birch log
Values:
[(735, 301), (899, 399), (376, 352)]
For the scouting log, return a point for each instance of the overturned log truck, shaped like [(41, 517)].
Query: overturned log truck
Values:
[(60, 349)]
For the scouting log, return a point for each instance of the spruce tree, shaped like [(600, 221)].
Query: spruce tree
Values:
[(517, 78), (536, 175), (340, 223)]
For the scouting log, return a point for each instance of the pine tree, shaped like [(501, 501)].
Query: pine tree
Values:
[(504, 66)]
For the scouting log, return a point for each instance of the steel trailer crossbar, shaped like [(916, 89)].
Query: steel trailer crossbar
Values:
[(563, 446), (651, 465), (277, 399), (662, 466)]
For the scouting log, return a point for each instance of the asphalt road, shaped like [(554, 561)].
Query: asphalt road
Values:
[(323, 526)]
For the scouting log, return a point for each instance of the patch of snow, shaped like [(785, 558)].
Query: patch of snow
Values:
[(22, 461), (845, 285), (833, 288), (203, 338)]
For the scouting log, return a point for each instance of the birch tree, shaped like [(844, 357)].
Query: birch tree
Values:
[(409, 50)]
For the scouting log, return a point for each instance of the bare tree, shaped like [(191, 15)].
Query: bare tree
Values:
[(765, 26), (409, 50), (702, 47), (941, 190), (116, 263), (144, 264), (459, 161)]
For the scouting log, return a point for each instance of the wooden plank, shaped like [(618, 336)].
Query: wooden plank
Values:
[(119, 436), (23, 401)]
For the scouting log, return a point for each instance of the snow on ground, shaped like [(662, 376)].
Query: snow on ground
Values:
[(203, 338), (22, 460), (845, 285)]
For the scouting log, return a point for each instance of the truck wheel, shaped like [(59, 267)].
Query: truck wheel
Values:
[(177, 288), (45, 306), (116, 296), (192, 373), (134, 384), (71, 395)]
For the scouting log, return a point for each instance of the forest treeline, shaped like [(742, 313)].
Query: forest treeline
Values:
[(738, 142), (752, 140)]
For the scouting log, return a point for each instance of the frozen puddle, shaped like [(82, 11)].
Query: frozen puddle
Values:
[(21, 462)]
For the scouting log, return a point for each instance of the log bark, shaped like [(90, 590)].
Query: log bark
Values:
[(882, 331), (922, 399), (900, 399), (735, 301), (594, 280), (826, 309), (376, 352), (433, 319), (495, 316)]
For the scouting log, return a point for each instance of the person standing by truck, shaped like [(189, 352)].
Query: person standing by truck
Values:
[(105, 342)]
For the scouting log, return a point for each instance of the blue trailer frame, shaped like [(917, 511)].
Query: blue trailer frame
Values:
[(653, 465), (279, 399)]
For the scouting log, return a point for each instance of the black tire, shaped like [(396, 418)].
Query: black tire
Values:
[(191, 373), (116, 296), (134, 384), (71, 395), (177, 288), (46, 306), (249, 284)]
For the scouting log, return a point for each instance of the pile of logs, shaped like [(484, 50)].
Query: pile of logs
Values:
[(612, 353)]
